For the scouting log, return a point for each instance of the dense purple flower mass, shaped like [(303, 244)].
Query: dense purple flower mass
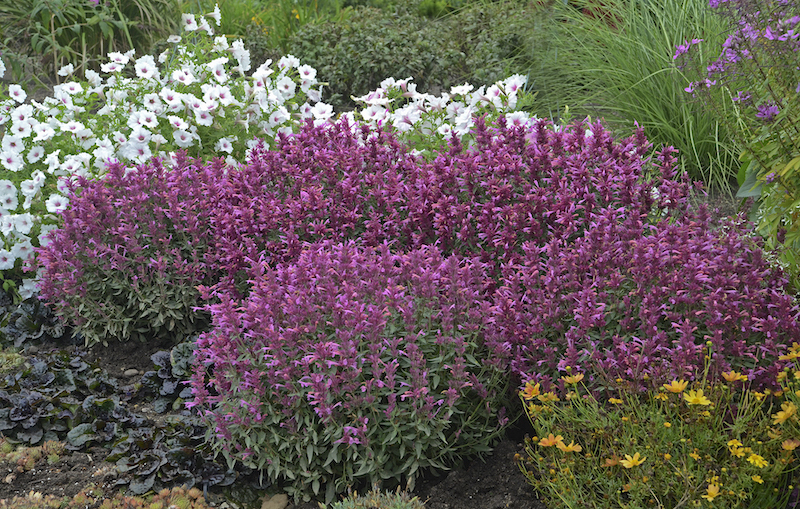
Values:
[(372, 306)]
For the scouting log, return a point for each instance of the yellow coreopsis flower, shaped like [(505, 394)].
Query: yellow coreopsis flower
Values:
[(757, 460), (632, 461), (696, 398), (547, 397), (788, 409), (676, 387), (661, 396), (551, 440), (572, 447), (733, 376), (790, 444), (530, 391), (711, 492), (757, 478), (573, 379), (612, 461), (615, 401)]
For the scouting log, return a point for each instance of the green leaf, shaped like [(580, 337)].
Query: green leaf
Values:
[(80, 435)]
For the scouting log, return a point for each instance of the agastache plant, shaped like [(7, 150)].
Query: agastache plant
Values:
[(352, 365), (758, 65)]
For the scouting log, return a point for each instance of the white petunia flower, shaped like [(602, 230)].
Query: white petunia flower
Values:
[(517, 118), (216, 15), (44, 233), (203, 25), (189, 22), (28, 289), (7, 188), (11, 160), (7, 260), (73, 126), (286, 87), (242, 55), (139, 135), (23, 223), (111, 67), (177, 123), (7, 224), (35, 153), (119, 58), (38, 178), (28, 188), (12, 144), (461, 89), (224, 145), (71, 87), (220, 43), (66, 70), (322, 111), (183, 76), (93, 77), (52, 161), (146, 67), (2, 68), (17, 93), (288, 62), (153, 103), (174, 39), (21, 129), (22, 250), (514, 83), (43, 132), (183, 138)]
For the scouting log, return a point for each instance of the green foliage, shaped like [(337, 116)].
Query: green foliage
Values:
[(615, 62), (277, 21), (377, 499), (80, 32)]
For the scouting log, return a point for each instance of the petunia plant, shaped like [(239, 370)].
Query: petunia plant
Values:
[(198, 96), (426, 121)]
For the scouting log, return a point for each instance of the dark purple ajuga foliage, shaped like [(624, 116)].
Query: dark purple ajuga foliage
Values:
[(344, 345)]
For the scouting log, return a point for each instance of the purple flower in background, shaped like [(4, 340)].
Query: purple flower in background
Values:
[(742, 97), (682, 49), (767, 112)]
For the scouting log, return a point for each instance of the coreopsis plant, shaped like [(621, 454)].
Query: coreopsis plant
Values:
[(757, 65), (198, 96), (351, 366), (706, 443)]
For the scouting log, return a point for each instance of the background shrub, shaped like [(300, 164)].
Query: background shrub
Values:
[(356, 54), (353, 365)]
